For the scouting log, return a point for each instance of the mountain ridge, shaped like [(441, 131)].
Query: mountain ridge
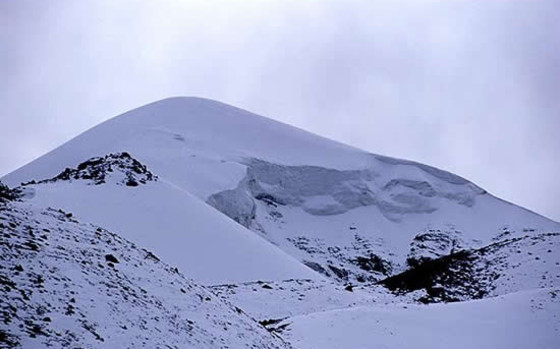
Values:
[(277, 180), (285, 231), (12, 178)]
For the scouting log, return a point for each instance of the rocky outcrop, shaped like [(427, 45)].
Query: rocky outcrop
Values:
[(434, 243), (502, 267), (120, 168)]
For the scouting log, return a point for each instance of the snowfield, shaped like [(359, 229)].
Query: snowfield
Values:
[(517, 321), (178, 227), (285, 240)]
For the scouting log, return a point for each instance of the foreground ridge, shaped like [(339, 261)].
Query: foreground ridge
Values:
[(68, 284)]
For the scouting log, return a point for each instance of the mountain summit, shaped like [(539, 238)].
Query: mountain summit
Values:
[(283, 224), (301, 192)]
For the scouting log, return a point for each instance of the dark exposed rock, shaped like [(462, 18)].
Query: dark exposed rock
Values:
[(449, 278), (269, 199), (111, 258), (127, 171), (274, 325), (150, 255), (373, 263), (474, 273), (341, 273), (432, 244), (8, 194), (316, 266), (131, 183), (8, 340)]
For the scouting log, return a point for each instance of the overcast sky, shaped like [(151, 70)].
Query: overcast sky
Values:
[(472, 87)]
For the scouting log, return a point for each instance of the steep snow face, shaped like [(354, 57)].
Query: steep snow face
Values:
[(67, 284), (363, 225), (121, 194), (344, 212), (201, 145), (196, 144), (323, 191)]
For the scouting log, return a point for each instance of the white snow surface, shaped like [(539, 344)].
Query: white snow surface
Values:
[(335, 197), (529, 319), (281, 226), (182, 230)]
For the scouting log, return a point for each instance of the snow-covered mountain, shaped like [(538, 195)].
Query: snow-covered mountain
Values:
[(281, 223), (346, 213)]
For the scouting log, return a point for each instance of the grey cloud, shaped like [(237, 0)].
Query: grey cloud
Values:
[(468, 86)]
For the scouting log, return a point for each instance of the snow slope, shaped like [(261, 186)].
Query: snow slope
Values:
[(176, 226), (517, 321), (66, 284), (345, 213)]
